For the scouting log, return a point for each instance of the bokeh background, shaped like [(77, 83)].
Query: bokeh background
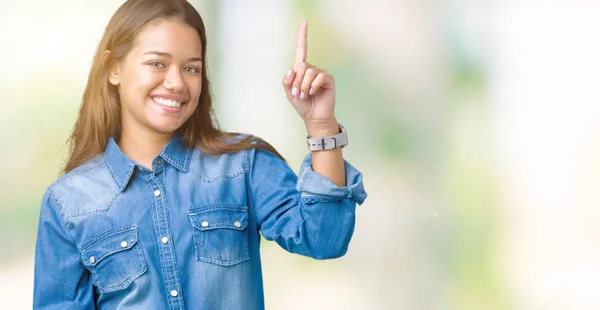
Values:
[(476, 125)]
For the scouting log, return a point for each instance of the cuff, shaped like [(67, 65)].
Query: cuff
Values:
[(318, 188)]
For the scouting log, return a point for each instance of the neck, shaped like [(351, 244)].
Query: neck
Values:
[(143, 146)]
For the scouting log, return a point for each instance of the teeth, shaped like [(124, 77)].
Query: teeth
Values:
[(167, 102)]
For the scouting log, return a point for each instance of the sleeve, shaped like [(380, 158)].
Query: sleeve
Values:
[(60, 280), (308, 215)]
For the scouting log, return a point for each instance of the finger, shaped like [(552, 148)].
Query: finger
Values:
[(309, 77), (302, 43), (317, 83), (300, 69), (287, 82)]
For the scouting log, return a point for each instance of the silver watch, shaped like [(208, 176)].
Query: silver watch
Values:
[(329, 143)]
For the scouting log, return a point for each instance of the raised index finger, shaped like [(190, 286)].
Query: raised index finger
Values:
[(302, 42)]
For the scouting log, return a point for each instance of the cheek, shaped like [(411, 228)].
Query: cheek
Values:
[(195, 93), (195, 87), (137, 80), (146, 81)]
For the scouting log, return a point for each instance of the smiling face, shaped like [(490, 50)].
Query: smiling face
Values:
[(160, 79)]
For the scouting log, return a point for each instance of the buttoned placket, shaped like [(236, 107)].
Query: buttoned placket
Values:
[(162, 226)]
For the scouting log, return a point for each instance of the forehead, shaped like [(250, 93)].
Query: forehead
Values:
[(170, 36)]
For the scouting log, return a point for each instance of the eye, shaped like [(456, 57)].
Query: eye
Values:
[(156, 64), (191, 70)]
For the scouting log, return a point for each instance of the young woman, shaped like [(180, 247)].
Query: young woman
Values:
[(160, 209)]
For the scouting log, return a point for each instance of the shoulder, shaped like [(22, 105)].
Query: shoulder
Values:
[(208, 167), (214, 166), (84, 189)]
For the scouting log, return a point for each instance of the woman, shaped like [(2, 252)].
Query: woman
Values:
[(158, 208)]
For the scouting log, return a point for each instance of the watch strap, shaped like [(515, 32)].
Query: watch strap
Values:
[(329, 143)]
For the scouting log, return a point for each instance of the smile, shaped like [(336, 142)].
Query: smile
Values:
[(167, 102)]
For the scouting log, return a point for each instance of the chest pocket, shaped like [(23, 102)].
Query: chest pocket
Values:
[(220, 234), (115, 259)]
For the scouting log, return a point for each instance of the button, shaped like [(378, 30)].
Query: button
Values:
[(158, 162), (124, 244), (164, 240), (174, 293), (92, 259), (237, 224), (204, 224), (156, 193)]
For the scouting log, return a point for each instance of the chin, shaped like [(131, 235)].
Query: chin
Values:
[(166, 128)]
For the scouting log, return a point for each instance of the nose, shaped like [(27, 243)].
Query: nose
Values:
[(174, 80)]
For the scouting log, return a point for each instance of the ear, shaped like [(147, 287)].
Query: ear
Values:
[(114, 69)]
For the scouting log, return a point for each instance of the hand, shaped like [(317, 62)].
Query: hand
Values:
[(311, 90)]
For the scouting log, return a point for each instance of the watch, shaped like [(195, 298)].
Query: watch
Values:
[(329, 143)]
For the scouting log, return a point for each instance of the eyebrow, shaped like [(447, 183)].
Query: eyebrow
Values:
[(170, 56)]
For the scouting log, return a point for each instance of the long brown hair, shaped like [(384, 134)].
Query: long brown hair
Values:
[(100, 112)]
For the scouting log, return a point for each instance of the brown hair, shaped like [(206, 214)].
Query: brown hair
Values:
[(100, 112)]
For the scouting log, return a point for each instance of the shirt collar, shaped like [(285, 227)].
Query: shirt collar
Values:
[(176, 153), (120, 166)]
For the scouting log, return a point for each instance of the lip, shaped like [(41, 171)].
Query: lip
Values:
[(181, 99), (169, 97)]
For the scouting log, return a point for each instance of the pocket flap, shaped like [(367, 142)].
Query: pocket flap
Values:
[(108, 243), (232, 217)]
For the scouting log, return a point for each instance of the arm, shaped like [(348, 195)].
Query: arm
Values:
[(60, 280), (329, 163), (313, 214), (309, 214), (312, 93)]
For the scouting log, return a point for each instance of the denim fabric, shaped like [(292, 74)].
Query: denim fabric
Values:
[(116, 235)]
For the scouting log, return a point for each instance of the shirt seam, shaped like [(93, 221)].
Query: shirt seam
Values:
[(249, 196), (74, 173), (63, 221), (220, 176)]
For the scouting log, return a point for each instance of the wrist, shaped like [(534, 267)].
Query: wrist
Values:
[(326, 138), (322, 129)]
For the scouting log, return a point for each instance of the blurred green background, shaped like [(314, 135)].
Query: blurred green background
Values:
[(475, 124)]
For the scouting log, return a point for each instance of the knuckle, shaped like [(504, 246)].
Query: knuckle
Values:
[(303, 66)]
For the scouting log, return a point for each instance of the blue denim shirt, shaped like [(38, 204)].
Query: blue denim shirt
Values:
[(115, 235)]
